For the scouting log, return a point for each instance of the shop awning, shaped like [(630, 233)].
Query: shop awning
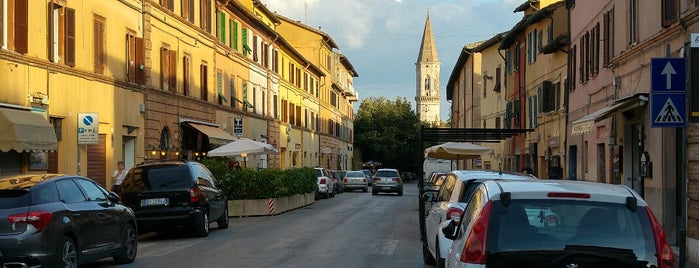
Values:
[(587, 123), (216, 135), (25, 131)]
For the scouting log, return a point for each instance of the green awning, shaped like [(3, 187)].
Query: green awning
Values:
[(25, 131)]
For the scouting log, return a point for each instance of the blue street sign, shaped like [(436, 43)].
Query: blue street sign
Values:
[(668, 110), (668, 75)]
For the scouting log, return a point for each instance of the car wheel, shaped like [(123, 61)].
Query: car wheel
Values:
[(366, 189), (130, 247), (400, 192), (426, 255), (223, 221), (202, 228), (374, 192), (67, 254)]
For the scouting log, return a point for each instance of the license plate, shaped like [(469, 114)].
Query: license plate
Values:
[(385, 188), (154, 202)]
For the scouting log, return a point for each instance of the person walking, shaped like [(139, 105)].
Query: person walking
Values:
[(118, 177)]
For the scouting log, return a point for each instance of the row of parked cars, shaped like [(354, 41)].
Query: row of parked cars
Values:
[(496, 219), (331, 182), (54, 220)]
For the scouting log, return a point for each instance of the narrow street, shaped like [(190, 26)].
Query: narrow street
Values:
[(353, 229)]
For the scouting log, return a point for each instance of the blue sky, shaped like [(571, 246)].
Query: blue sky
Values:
[(382, 37)]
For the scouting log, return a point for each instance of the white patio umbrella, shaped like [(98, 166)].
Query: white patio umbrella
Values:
[(243, 147), (456, 151)]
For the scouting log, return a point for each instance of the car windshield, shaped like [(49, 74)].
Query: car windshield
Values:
[(386, 173), (566, 225), (13, 198), (165, 177), (320, 173)]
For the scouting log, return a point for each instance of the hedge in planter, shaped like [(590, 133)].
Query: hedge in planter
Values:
[(265, 183)]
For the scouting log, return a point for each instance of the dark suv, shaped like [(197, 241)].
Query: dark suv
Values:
[(175, 194)]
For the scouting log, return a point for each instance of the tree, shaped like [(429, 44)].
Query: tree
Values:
[(387, 131)]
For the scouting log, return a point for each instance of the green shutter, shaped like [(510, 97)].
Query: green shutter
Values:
[(245, 93), (230, 33), (235, 36), (245, 41), (223, 27)]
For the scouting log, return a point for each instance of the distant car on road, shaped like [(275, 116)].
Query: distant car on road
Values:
[(54, 220), (326, 185), (368, 175), (175, 194), (355, 179), (387, 180)]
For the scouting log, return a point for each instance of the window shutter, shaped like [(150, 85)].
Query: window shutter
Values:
[(186, 75), (204, 82), (140, 54), (173, 71), (235, 36), (98, 46), (164, 68), (70, 37), (2, 29), (21, 26), (669, 12), (131, 58)]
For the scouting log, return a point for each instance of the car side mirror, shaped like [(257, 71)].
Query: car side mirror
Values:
[(113, 197), (450, 229)]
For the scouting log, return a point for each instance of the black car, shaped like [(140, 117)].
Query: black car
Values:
[(173, 195), (54, 220)]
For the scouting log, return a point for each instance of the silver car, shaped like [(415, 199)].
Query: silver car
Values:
[(355, 179), (387, 180)]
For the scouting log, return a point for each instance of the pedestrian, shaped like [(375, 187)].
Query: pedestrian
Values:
[(118, 177), (236, 165)]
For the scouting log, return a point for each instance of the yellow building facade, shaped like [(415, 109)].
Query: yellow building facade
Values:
[(70, 62)]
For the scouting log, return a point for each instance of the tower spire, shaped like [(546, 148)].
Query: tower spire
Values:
[(427, 77), (428, 49)]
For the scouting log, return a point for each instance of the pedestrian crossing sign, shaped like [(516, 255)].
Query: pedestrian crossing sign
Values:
[(668, 110)]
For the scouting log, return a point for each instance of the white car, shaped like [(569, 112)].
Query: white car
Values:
[(326, 186), (355, 179), (448, 202), (555, 223)]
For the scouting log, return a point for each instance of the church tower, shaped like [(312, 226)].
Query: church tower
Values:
[(427, 78)]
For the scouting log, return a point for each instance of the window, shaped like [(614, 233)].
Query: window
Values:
[(187, 74), (231, 91), (135, 54), (284, 114), (608, 37), (91, 190), (204, 81), (265, 55), (595, 50), (14, 25), (633, 22), (188, 10), (328, 62), (549, 93), (275, 60), (532, 46), (99, 36), (169, 4), (571, 68), (69, 192), (508, 61), (235, 36), (515, 58), (205, 15), (62, 34), (427, 85), (275, 106), (246, 48), (219, 87), (498, 78), (168, 64), (601, 163), (670, 8), (221, 22), (533, 111), (254, 48)]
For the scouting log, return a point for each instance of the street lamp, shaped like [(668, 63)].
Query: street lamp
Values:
[(245, 161)]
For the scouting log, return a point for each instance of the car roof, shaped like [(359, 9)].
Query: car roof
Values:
[(26, 181), (165, 162), (464, 175), (387, 169), (540, 189)]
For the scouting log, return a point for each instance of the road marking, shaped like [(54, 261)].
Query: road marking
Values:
[(385, 246)]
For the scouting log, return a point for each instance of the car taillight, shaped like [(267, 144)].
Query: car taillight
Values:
[(396, 179), (364, 179), (194, 195), (569, 195), (474, 249), (323, 181), (377, 178), (666, 258), (345, 180), (39, 219), (454, 214)]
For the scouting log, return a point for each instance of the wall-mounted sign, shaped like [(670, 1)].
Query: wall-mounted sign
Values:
[(88, 128)]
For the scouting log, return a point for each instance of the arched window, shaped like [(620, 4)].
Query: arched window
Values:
[(164, 142)]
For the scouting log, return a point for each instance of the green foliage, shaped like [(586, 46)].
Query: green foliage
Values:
[(388, 132), (265, 183)]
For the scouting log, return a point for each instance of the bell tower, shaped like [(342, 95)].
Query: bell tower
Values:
[(427, 78)]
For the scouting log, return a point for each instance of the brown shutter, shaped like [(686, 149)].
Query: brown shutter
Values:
[(21, 26), (70, 37), (191, 10), (204, 83), (2, 3), (139, 56), (98, 46), (185, 75), (173, 71)]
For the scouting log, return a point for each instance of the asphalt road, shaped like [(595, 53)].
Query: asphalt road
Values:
[(353, 229)]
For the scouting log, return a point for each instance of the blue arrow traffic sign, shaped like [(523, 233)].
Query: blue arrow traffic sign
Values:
[(668, 110), (668, 75)]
